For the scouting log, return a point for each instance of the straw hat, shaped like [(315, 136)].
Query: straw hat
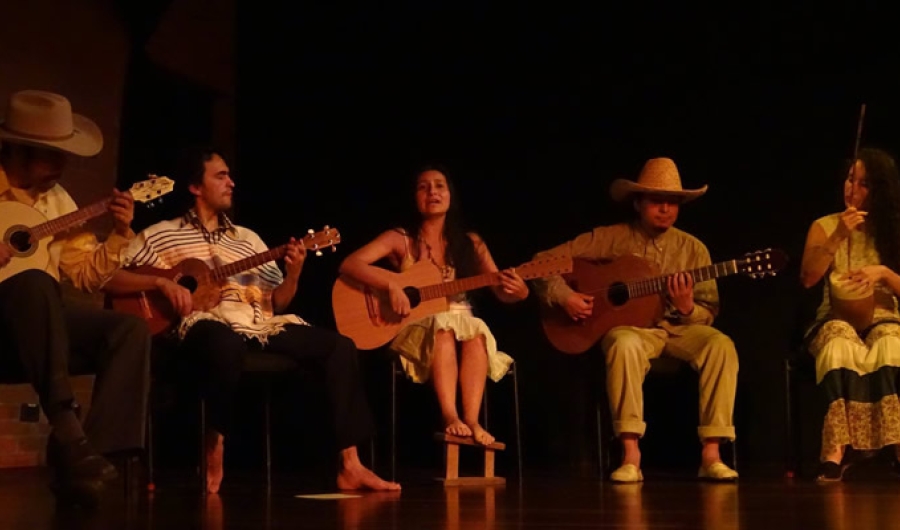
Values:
[(659, 177), (45, 119)]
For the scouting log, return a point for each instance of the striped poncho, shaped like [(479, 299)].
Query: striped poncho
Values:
[(246, 298)]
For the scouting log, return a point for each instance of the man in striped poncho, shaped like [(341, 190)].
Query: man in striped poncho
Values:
[(246, 318)]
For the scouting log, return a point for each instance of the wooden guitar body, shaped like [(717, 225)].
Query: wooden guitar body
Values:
[(153, 306), (15, 222), (612, 304), (365, 314)]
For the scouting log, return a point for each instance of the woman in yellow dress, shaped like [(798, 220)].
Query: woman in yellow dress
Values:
[(453, 348)]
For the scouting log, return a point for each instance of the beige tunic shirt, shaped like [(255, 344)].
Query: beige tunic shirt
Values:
[(673, 251)]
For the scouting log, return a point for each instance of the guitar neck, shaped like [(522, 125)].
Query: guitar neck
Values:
[(451, 288), (70, 220), (658, 284), (230, 269)]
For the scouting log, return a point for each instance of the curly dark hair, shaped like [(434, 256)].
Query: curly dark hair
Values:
[(460, 248), (883, 204)]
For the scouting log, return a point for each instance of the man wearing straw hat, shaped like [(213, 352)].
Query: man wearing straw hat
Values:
[(685, 330), (43, 338)]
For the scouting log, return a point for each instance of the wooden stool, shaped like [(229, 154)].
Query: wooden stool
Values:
[(451, 461)]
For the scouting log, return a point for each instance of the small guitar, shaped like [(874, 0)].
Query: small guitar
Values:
[(29, 234), (624, 290), (365, 315), (204, 282)]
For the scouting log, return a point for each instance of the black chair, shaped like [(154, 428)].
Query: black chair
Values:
[(265, 369), (799, 373), (398, 372), (667, 367)]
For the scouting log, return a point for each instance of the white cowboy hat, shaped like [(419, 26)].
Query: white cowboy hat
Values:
[(45, 119), (659, 177)]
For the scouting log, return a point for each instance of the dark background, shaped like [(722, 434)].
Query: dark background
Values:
[(536, 110)]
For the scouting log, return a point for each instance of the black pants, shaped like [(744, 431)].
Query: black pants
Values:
[(217, 352), (43, 341)]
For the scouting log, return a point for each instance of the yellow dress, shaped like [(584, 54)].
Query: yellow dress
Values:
[(415, 342)]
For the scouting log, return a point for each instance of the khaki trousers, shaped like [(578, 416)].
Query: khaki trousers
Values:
[(709, 351)]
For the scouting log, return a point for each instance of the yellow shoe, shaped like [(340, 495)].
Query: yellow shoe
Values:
[(626, 474), (718, 472)]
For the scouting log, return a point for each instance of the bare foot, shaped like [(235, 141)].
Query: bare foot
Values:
[(358, 476), (480, 435), (456, 427), (215, 455)]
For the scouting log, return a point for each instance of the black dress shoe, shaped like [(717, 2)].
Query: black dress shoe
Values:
[(84, 494), (78, 461), (895, 466), (830, 472)]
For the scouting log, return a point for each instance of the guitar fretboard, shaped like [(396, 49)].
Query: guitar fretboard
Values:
[(70, 220), (450, 288), (658, 284), (230, 269)]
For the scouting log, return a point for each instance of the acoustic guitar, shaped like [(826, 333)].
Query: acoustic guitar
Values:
[(204, 282), (29, 234), (627, 292), (365, 315)]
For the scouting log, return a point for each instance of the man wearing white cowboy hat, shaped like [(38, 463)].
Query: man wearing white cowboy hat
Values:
[(43, 338), (683, 332)]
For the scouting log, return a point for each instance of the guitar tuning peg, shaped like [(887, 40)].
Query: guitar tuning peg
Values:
[(310, 231), (333, 249), (318, 253), (327, 228)]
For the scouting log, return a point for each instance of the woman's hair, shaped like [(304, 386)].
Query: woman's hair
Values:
[(883, 204), (460, 248)]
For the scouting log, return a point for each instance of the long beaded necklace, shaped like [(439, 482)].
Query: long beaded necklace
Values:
[(446, 270)]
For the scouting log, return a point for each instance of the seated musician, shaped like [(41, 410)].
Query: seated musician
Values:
[(855, 337), (46, 337), (428, 346), (685, 330), (244, 318)]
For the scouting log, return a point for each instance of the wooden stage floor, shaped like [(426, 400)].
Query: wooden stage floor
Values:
[(668, 502)]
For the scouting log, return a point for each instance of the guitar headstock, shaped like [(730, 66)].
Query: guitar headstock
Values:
[(762, 263), (325, 238), (545, 267), (147, 191)]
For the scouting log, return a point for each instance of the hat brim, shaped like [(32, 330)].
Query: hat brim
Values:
[(622, 189), (86, 139)]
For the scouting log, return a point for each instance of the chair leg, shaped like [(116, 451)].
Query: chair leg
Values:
[(127, 474), (394, 420), (515, 382), (484, 408), (268, 427), (203, 445), (601, 452), (151, 485), (734, 458), (789, 449)]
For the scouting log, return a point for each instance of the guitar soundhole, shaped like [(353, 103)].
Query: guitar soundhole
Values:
[(20, 240), (188, 282), (414, 297), (618, 294)]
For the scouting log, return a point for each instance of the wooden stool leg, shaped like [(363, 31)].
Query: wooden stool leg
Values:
[(451, 459), (489, 463)]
